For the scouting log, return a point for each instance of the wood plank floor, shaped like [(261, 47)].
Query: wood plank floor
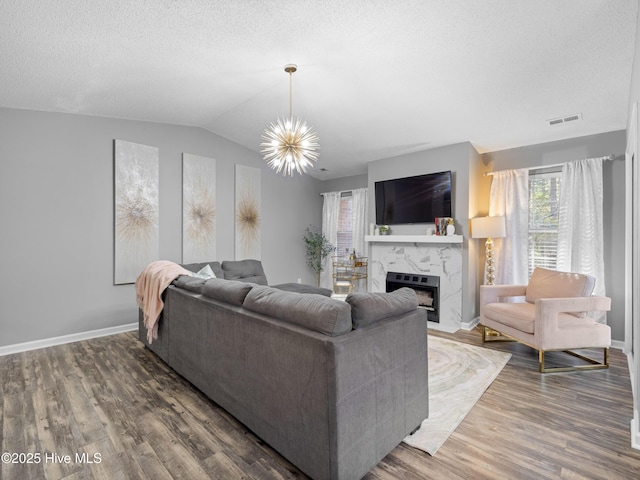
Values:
[(111, 402)]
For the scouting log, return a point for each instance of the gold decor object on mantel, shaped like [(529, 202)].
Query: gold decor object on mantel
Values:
[(290, 145)]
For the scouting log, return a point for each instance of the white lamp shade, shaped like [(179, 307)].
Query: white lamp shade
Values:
[(488, 227)]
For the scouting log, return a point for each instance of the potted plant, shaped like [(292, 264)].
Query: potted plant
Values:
[(317, 249), (384, 229)]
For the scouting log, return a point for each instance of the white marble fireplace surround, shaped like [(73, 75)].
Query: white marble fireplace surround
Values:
[(425, 255)]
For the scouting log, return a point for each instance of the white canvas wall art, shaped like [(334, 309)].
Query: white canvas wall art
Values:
[(198, 209), (248, 213), (136, 231)]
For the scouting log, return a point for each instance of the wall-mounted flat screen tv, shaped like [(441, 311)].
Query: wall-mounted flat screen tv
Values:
[(418, 199)]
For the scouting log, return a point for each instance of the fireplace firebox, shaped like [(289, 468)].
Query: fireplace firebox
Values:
[(427, 288)]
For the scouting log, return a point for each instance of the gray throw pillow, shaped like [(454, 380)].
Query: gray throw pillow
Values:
[(368, 308)]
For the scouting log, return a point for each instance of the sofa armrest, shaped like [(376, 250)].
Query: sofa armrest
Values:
[(550, 307), (378, 382), (491, 293), (547, 330)]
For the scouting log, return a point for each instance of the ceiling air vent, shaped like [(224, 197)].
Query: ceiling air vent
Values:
[(567, 119)]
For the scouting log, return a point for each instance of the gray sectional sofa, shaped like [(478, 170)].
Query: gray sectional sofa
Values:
[(332, 385)]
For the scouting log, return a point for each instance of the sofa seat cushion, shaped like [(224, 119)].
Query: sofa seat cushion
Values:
[(229, 291), (371, 307), (315, 312), (302, 288), (244, 270), (521, 316)]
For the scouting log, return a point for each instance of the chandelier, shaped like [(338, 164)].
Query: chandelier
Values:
[(288, 144)]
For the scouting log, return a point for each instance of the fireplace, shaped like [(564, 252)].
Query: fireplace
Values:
[(427, 288), (427, 255)]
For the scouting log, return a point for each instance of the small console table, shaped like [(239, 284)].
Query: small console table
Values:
[(347, 272)]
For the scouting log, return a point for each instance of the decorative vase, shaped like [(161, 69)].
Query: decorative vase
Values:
[(451, 229)]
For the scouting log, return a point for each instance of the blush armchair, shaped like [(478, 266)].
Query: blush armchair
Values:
[(549, 314)]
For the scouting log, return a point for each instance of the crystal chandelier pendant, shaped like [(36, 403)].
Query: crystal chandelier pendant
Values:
[(290, 145)]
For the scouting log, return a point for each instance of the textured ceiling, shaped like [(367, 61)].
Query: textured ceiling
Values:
[(376, 78)]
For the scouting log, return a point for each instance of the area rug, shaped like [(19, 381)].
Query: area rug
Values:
[(458, 376)]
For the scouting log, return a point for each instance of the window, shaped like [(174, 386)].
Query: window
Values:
[(544, 191), (345, 224)]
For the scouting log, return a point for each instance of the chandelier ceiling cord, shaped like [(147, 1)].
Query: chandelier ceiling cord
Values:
[(290, 145)]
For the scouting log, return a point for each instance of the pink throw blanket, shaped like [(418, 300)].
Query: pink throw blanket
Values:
[(150, 284)]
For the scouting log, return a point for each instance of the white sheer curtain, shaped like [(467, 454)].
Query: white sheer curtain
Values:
[(330, 214), (580, 215), (330, 217), (510, 198), (359, 208)]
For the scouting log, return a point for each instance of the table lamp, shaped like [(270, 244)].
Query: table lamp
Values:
[(488, 227)]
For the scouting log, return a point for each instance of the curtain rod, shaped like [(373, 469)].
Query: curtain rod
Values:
[(609, 157), (341, 192)]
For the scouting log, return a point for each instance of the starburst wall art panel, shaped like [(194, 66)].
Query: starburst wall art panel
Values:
[(198, 208), (137, 241), (248, 211)]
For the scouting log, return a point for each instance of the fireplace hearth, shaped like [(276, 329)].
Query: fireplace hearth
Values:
[(427, 288)]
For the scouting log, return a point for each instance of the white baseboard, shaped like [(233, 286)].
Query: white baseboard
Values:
[(74, 337), (463, 326), (468, 326), (635, 431), (617, 344), (441, 328)]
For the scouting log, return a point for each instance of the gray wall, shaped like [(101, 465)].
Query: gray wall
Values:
[(614, 197), (345, 183), (465, 164), (56, 212)]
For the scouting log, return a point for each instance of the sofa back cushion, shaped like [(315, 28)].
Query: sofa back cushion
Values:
[(553, 284), (196, 267), (229, 291), (315, 312), (244, 271), (193, 284), (371, 307)]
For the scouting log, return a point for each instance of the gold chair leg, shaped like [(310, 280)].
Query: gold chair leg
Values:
[(491, 335), (593, 364)]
